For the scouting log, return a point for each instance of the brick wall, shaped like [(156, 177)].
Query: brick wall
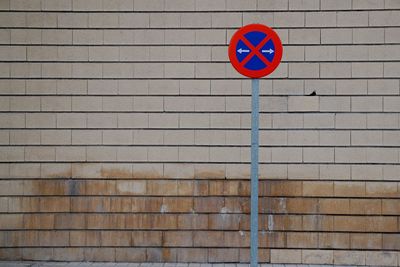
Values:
[(125, 132)]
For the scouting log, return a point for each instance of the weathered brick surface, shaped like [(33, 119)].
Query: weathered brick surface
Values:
[(124, 132)]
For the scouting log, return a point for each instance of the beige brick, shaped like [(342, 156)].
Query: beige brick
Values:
[(179, 70), (294, 19), (392, 35), (20, 36), (131, 20), (391, 69), (55, 36), (56, 70), (336, 36), (301, 137), (356, 155), (365, 70), (83, 103), (107, 153), (117, 137), (353, 18), (304, 36), (110, 37), (336, 70), (25, 137), (68, 87), (13, 53), (87, 5), (89, 137), (365, 104), (382, 121), (210, 36), (320, 121), (381, 258), (195, 154), (349, 257), (25, 170), (351, 87), (40, 154), (71, 120), (390, 137), (88, 37), (36, 53), (132, 154), (285, 256), (355, 53), (29, 70), (146, 37), (320, 19), (384, 18), (71, 154), (72, 20), (164, 20), (117, 103), (304, 70), (298, 171), (303, 103), (293, 53), (352, 121), (58, 103), (138, 120), (258, 17), (4, 137), (361, 172), (318, 155), (5, 36), (286, 154), (40, 120), (104, 87), (317, 257), (287, 120), (321, 53), (42, 20), (368, 36), (102, 120), (56, 5), (166, 154), (55, 137)]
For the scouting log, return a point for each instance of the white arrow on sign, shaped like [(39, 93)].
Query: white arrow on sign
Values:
[(240, 50), (269, 51)]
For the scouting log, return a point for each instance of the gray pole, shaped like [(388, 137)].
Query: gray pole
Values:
[(254, 172)]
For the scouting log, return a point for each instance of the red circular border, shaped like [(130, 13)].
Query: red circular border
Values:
[(255, 73)]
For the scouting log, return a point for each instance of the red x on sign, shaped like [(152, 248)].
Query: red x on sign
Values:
[(255, 50)]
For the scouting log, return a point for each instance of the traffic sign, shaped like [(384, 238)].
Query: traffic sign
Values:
[(255, 50)]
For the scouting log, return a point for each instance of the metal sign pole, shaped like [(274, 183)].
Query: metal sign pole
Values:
[(254, 172)]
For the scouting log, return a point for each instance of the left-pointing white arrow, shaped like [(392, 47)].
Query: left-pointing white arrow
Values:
[(269, 51), (240, 50)]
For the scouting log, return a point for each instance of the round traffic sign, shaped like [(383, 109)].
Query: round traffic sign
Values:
[(255, 50)]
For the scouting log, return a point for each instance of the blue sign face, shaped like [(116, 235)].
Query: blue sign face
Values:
[(256, 50)]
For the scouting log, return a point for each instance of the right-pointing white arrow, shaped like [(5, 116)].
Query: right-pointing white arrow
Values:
[(269, 51), (240, 50)]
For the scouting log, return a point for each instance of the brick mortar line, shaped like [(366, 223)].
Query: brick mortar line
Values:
[(196, 145), (193, 78), (215, 196), (196, 213), (305, 27), (208, 162), (187, 62), (197, 11), (192, 112), (187, 45), (193, 95)]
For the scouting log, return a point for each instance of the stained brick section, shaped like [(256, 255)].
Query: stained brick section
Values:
[(124, 132)]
